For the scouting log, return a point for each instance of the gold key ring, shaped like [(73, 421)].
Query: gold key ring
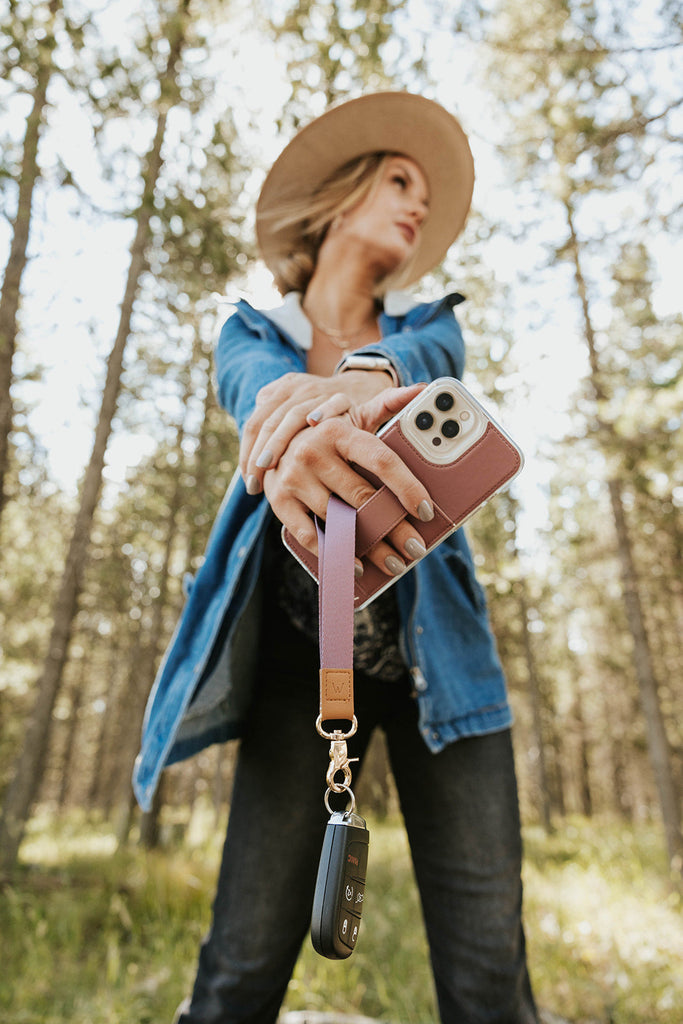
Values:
[(350, 809)]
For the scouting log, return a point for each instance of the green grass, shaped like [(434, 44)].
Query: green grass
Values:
[(92, 936), (604, 924)]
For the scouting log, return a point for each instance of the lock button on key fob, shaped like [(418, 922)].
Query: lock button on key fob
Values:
[(340, 887)]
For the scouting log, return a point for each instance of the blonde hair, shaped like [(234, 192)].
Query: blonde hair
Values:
[(312, 216)]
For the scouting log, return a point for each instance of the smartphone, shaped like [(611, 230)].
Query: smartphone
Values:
[(456, 449)]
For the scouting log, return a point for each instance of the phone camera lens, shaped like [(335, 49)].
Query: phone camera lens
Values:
[(424, 420), (450, 428), (444, 401)]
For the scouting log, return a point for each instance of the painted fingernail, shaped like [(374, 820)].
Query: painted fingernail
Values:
[(425, 511), (253, 485), (264, 459), (315, 416), (394, 565), (415, 548), (357, 568)]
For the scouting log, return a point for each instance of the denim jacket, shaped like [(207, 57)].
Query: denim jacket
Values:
[(203, 688)]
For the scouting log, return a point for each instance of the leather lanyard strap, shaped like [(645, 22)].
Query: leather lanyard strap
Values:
[(336, 547)]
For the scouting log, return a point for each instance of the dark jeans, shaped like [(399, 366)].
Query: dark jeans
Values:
[(461, 814)]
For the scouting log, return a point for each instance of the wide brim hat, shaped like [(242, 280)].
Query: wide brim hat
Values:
[(398, 122)]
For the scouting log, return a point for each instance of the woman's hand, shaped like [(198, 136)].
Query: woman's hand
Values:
[(290, 404), (317, 463)]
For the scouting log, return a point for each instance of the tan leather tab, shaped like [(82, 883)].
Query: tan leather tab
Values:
[(336, 693)]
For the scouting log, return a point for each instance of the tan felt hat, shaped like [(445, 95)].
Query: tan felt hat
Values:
[(399, 122)]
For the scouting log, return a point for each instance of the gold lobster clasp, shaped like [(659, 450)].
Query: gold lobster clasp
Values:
[(339, 762)]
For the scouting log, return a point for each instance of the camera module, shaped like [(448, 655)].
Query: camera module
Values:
[(444, 401), (450, 428), (424, 420)]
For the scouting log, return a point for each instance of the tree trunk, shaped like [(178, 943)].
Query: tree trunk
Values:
[(536, 699), (129, 713), (28, 771), (585, 794), (555, 743), (658, 746), (150, 829), (99, 790), (71, 733), (18, 254)]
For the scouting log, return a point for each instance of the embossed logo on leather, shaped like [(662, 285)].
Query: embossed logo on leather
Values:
[(337, 684)]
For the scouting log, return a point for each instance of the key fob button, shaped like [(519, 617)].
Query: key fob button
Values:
[(348, 930), (357, 859), (349, 896)]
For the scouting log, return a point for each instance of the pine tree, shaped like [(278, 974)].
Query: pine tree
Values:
[(24, 785), (29, 39), (581, 132)]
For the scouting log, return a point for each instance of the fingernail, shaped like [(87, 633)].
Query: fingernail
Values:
[(394, 565), (357, 569), (315, 416), (425, 511), (415, 548), (253, 485), (264, 459)]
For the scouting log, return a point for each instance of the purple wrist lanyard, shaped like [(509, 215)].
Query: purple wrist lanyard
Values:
[(336, 555)]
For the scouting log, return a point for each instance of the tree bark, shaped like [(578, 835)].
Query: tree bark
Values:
[(536, 700), (18, 254), (99, 792), (67, 758), (585, 794), (28, 770), (150, 828), (660, 755)]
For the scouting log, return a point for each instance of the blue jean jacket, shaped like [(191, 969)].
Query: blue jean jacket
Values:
[(204, 685)]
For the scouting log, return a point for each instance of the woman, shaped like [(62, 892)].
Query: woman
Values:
[(368, 196)]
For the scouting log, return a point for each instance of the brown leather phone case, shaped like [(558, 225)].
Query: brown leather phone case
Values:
[(457, 488)]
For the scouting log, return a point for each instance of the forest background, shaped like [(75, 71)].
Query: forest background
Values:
[(134, 139)]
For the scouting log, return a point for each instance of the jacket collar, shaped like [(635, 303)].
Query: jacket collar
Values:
[(291, 319)]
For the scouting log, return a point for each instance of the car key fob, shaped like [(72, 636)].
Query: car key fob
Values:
[(340, 887)]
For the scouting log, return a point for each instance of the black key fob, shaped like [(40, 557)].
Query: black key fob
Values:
[(340, 888)]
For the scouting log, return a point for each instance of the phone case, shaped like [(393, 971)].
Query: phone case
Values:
[(456, 449)]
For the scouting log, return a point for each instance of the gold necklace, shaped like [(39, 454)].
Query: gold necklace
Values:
[(340, 339)]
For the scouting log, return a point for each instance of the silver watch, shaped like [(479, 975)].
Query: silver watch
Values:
[(367, 361)]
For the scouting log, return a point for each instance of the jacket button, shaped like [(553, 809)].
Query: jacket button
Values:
[(419, 630)]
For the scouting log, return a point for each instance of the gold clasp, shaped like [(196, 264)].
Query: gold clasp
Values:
[(339, 762)]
